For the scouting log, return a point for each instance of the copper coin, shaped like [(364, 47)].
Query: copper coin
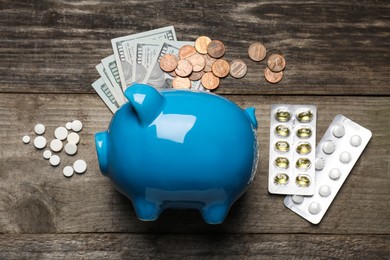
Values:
[(209, 62), (184, 68), (179, 82), (186, 51), (173, 74), (216, 49), (197, 61), (221, 68), (196, 75), (238, 68), (201, 44), (273, 77), (276, 62), (168, 62), (210, 81), (257, 51)]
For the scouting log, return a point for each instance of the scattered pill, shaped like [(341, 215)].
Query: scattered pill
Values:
[(338, 131), (55, 160), (320, 164), (68, 171), (297, 199), (68, 125), (56, 145), (47, 154), (324, 191), (314, 208), (345, 157), (77, 125), (328, 147), (80, 166), (334, 174), (39, 129), (257, 51), (70, 148), (40, 142), (26, 139), (73, 138), (61, 133), (355, 140)]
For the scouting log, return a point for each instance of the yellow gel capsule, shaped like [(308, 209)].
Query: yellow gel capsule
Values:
[(281, 178), (303, 163), (282, 162), (282, 146), (302, 181), (305, 116), (303, 148), (282, 131), (282, 115), (304, 132)]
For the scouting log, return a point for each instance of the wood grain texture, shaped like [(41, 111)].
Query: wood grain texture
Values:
[(37, 198), (152, 246), (341, 48)]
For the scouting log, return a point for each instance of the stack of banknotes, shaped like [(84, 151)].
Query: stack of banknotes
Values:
[(136, 59)]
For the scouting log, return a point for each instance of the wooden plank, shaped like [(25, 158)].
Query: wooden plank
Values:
[(331, 48), (37, 198), (215, 246)]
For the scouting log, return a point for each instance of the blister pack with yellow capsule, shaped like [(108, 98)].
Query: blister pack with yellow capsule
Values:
[(336, 154), (292, 153)]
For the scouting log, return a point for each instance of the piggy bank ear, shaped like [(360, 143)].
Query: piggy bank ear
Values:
[(146, 101)]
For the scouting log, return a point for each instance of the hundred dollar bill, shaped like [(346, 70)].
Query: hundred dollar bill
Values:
[(109, 64), (103, 74), (145, 53), (105, 94), (124, 50), (158, 78)]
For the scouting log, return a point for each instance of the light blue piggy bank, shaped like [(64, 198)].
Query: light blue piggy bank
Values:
[(179, 149)]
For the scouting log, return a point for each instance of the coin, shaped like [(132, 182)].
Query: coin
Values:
[(168, 62), (186, 51), (257, 51), (179, 82), (276, 62), (201, 44), (273, 77), (197, 61), (184, 68), (216, 49), (221, 68), (196, 75), (209, 62), (238, 68), (173, 74), (210, 81)]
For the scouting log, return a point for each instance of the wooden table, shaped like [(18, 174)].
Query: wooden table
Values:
[(337, 58)]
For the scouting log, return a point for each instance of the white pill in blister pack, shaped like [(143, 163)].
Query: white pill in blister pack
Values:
[(332, 167), (291, 153)]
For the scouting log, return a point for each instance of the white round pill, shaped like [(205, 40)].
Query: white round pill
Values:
[(55, 160), (345, 157), (80, 166), (47, 154), (56, 145), (70, 148), (77, 125), (40, 142), (314, 208), (68, 171), (338, 131), (26, 139), (355, 140), (73, 138), (324, 191), (320, 164), (68, 126), (297, 199), (334, 174), (61, 133), (39, 129), (328, 147)]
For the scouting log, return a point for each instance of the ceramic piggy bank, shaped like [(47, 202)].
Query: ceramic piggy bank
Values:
[(179, 149)]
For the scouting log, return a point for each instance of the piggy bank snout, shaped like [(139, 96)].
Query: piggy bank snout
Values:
[(101, 142)]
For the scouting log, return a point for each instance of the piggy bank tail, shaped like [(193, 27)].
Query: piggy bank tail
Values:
[(250, 114)]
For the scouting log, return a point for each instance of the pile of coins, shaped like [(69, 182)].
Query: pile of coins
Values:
[(203, 62), (275, 63)]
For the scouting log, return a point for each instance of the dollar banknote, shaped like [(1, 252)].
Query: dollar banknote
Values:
[(158, 78), (124, 50), (106, 95), (103, 74), (145, 53), (109, 64)]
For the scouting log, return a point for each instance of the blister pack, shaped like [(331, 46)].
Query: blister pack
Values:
[(291, 153), (336, 154)]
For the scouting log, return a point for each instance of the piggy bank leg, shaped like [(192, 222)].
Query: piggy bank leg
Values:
[(216, 213), (146, 211)]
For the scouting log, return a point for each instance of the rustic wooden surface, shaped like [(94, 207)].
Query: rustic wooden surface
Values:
[(337, 58)]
